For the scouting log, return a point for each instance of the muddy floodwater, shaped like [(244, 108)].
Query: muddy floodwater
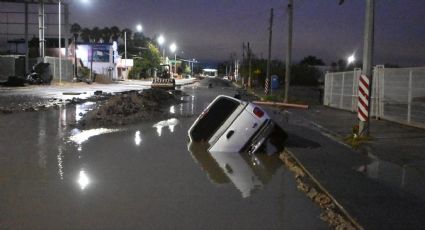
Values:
[(141, 176)]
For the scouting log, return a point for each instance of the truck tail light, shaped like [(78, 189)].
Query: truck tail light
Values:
[(258, 112)]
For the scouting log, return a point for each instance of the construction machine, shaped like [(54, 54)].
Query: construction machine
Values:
[(163, 78)]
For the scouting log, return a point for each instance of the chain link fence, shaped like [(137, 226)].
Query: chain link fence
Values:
[(398, 94)]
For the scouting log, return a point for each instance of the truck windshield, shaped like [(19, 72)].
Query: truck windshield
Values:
[(213, 119)]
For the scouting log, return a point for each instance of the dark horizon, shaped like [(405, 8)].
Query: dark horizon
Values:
[(213, 30)]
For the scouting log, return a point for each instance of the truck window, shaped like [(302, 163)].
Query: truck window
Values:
[(213, 119)]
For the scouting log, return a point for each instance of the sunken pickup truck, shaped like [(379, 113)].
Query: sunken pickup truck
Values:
[(228, 124)]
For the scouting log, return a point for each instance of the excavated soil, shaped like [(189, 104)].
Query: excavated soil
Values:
[(132, 107)]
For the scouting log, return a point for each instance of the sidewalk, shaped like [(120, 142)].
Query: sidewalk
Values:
[(381, 184)]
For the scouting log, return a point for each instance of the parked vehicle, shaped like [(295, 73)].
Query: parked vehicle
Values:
[(232, 125)]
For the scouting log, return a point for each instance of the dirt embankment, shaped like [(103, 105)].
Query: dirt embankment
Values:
[(130, 107)]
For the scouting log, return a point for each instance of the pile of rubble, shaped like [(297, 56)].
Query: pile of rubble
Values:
[(133, 106)]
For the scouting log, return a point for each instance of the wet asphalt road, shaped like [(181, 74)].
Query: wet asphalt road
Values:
[(143, 176)]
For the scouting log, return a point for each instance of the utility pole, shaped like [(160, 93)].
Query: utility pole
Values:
[(368, 59), (243, 61), (249, 66), (60, 42), (270, 46), (288, 49), (125, 52), (26, 39)]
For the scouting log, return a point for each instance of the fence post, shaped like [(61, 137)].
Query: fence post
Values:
[(342, 91), (409, 98), (354, 96), (382, 94), (54, 68), (325, 89), (332, 86)]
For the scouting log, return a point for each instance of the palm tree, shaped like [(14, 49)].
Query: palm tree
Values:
[(86, 35), (106, 34), (115, 31), (96, 34), (75, 30)]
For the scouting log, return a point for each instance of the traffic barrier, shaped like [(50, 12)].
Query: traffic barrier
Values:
[(363, 104)]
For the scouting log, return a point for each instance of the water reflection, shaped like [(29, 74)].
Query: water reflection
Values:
[(60, 163), (82, 109), (172, 110), (410, 177), (137, 138), (83, 180), (170, 123), (248, 173), (80, 137)]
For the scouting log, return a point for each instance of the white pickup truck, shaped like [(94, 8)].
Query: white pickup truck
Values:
[(232, 125)]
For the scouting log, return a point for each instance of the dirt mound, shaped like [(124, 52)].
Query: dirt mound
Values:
[(133, 106)]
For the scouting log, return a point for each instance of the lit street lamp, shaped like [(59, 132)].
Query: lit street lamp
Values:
[(351, 59), (139, 28), (161, 41)]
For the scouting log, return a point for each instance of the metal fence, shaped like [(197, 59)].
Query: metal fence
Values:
[(66, 66), (398, 94)]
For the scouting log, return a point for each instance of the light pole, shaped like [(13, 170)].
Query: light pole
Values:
[(173, 49), (60, 45), (125, 51)]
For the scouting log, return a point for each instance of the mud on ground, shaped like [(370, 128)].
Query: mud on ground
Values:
[(131, 107)]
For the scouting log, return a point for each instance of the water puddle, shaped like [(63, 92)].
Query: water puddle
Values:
[(170, 123), (409, 176), (248, 173), (80, 136)]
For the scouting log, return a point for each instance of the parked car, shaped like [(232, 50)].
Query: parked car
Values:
[(232, 125)]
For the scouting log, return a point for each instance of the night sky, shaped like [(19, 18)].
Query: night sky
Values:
[(212, 30)]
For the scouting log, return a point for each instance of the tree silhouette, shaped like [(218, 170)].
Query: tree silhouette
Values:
[(86, 35), (75, 30), (311, 60), (115, 31), (96, 34), (106, 34)]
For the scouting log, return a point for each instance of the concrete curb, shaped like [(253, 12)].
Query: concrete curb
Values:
[(322, 188)]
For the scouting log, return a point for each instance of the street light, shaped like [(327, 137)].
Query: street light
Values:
[(351, 59), (139, 28), (173, 49), (161, 41)]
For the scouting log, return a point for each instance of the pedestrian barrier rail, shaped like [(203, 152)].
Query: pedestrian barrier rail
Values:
[(398, 94)]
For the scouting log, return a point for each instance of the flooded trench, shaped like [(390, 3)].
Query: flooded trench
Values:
[(146, 175)]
